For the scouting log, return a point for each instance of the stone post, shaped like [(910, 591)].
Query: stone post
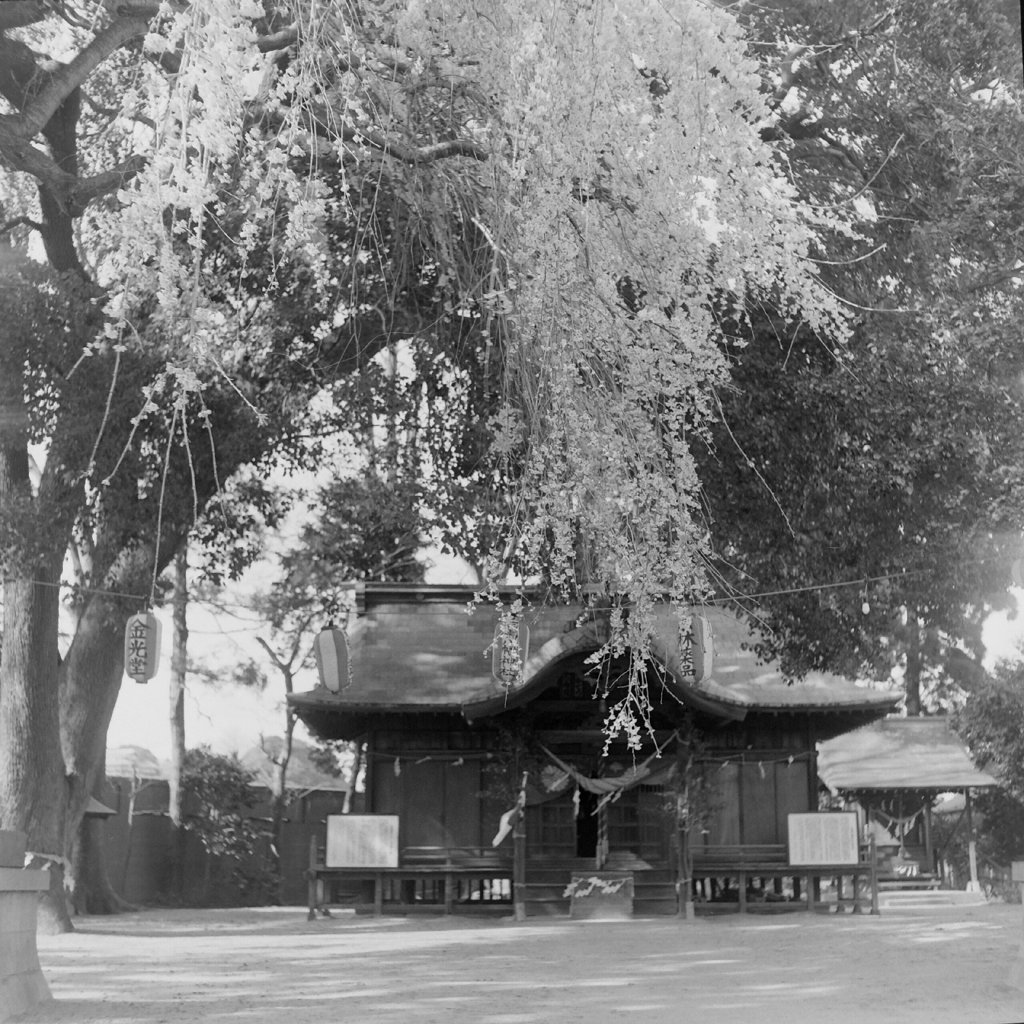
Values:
[(22, 985)]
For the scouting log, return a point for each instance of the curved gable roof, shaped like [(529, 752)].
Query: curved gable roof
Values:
[(416, 648)]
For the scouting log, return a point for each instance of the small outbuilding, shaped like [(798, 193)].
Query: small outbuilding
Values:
[(892, 772)]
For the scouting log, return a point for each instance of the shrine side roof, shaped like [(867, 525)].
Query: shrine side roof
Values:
[(900, 753), (417, 649)]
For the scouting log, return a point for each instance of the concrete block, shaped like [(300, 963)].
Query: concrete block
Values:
[(12, 848), (22, 992), (23, 880), (22, 985)]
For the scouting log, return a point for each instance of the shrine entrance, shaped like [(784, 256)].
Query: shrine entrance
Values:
[(587, 825)]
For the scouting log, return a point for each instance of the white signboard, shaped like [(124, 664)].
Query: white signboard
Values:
[(362, 841), (827, 838)]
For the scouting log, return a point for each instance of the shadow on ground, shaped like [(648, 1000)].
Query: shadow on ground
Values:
[(271, 966)]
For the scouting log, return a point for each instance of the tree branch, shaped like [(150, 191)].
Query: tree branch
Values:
[(279, 664), (789, 69), (415, 155), (18, 13), (70, 76), (85, 190), (1014, 270), (15, 222), (278, 40)]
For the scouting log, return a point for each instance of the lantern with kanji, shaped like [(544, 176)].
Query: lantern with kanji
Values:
[(141, 646), (702, 649), (331, 651), (510, 649)]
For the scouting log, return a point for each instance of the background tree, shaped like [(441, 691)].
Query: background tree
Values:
[(891, 462), (991, 723), (218, 796)]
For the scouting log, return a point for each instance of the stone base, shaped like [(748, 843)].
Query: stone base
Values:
[(22, 985), (601, 895), (20, 993)]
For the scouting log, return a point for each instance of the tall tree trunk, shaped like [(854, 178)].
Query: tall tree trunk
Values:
[(33, 793), (179, 668), (281, 799), (89, 883), (90, 680), (33, 790)]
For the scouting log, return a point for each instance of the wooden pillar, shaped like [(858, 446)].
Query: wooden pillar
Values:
[(974, 885), (928, 851), (311, 879), (519, 857), (369, 770), (873, 875)]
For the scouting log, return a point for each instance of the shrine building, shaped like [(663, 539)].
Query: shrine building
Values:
[(451, 754)]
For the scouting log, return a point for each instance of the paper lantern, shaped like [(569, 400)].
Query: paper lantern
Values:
[(702, 649), (141, 646), (331, 650), (507, 665)]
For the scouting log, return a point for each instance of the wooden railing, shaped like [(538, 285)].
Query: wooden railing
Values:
[(427, 878), (746, 863)]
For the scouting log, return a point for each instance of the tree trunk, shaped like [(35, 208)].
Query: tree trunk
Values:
[(90, 678), (90, 889), (179, 663), (280, 803), (33, 791), (93, 892)]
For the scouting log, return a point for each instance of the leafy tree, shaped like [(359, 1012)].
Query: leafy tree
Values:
[(131, 456), (991, 723), (890, 462), (366, 528), (236, 212), (218, 794)]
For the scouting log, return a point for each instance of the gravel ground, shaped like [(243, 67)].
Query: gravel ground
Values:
[(272, 966)]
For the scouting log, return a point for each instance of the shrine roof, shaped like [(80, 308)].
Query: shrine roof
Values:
[(900, 754), (418, 648)]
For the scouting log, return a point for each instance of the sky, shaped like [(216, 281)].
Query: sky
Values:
[(230, 719)]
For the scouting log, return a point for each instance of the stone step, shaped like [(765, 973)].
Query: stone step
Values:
[(922, 899)]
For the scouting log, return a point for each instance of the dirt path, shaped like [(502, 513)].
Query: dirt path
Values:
[(271, 966)]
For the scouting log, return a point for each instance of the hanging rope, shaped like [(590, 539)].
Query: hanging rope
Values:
[(609, 787)]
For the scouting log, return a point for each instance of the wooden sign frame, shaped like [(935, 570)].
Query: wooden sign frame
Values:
[(362, 841), (824, 837)]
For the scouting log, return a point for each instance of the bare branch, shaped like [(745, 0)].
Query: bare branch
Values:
[(278, 40), (415, 155), (790, 69), (19, 154), (15, 222), (85, 190)]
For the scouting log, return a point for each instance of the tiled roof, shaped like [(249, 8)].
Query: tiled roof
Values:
[(416, 648), (900, 753)]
